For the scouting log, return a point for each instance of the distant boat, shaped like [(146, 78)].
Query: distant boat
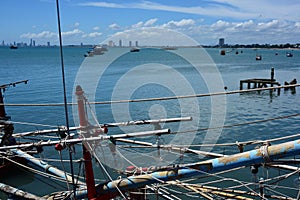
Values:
[(99, 50), (96, 50), (134, 49), (169, 48), (258, 57), (222, 52), (289, 54), (13, 47)]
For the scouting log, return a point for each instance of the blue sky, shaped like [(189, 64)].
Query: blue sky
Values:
[(92, 21)]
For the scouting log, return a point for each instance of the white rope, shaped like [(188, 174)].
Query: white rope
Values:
[(36, 171), (230, 179), (30, 124), (63, 166), (163, 98)]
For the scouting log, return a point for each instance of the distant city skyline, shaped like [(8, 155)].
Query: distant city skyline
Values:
[(205, 21)]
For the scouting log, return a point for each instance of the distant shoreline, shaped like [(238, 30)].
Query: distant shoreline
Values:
[(275, 47)]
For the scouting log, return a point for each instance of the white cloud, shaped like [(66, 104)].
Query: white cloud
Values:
[(246, 9), (153, 36), (150, 22), (72, 33), (221, 25), (92, 35), (138, 25), (43, 34), (102, 4), (114, 26), (96, 28), (241, 32)]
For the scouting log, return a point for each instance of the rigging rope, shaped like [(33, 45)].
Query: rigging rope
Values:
[(161, 98)]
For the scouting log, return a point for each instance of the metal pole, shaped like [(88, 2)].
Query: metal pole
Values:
[(65, 94)]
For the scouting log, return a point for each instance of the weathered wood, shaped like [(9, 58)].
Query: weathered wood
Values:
[(18, 193), (260, 83)]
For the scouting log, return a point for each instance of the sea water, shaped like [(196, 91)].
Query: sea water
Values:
[(42, 67)]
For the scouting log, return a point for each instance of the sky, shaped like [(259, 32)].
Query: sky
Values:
[(204, 21)]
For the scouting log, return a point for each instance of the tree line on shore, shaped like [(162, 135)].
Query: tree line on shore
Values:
[(271, 46)]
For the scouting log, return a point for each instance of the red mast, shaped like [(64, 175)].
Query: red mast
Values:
[(89, 174)]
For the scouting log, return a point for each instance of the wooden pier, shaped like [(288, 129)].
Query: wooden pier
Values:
[(261, 82)]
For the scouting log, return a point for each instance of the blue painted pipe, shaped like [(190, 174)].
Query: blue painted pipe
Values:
[(261, 155)]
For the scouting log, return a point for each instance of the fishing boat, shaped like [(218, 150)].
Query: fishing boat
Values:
[(203, 174)]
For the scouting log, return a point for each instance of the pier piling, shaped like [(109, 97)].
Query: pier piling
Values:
[(261, 82)]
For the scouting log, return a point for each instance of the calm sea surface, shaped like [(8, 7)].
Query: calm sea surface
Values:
[(41, 66)]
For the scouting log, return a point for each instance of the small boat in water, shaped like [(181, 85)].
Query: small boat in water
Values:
[(169, 48), (134, 50), (289, 54), (96, 50), (258, 57), (13, 47)]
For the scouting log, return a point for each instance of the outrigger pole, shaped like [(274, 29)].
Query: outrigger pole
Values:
[(3, 115), (265, 154)]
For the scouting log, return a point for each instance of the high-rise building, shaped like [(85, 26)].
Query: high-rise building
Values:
[(130, 43), (48, 44), (110, 43), (136, 43), (120, 43), (221, 42)]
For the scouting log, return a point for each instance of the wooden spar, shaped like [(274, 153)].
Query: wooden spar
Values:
[(151, 121), (264, 154), (42, 132), (199, 192), (216, 191), (46, 166), (80, 140), (18, 193), (164, 193), (136, 122), (286, 167), (228, 192), (89, 174), (173, 148)]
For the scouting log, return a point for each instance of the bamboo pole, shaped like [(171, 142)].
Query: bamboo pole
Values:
[(46, 166), (80, 140), (261, 155)]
